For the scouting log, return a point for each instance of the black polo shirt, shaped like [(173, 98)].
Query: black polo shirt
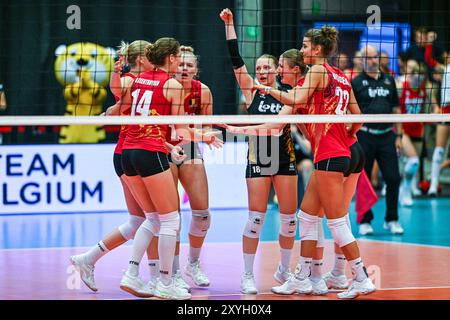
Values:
[(375, 96)]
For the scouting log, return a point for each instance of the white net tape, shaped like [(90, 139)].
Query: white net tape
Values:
[(219, 119)]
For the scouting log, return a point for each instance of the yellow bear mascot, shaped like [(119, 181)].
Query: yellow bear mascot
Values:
[(84, 70)]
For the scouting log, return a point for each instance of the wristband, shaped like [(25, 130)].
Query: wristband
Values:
[(233, 50)]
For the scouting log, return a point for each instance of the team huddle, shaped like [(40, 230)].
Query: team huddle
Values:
[(150, 160)]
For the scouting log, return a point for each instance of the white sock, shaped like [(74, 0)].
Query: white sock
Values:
[(358, 270), (414, 184), (153, 265), (95, 253), (166, 249), (436, 166), (303, 268), (142, 240), (249, 259), (339, 265), (194, 254), (316, 270), (285, 260), (176, 264), (133, 268)]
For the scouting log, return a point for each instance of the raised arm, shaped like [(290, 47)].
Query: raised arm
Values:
[(245, 81)]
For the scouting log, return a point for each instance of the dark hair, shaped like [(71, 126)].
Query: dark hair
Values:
[(421, 29), (270, 57), (294, 58), (326, 37), (156, 53)]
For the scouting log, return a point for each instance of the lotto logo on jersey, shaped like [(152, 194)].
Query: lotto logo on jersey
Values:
[(273, 107), (378, 92)]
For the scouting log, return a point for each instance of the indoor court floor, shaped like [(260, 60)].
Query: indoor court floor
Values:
[(35, 251)]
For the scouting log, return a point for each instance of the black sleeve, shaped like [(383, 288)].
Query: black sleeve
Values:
[(395, 102)]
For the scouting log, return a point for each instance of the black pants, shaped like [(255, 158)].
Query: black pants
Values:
[(382, 148)]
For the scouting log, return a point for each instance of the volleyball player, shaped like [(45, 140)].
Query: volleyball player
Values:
[(412, 101), (191, 171), (269, 161), (146, 165), (335, 278), (442, 130), (134, 54), (326, 91)]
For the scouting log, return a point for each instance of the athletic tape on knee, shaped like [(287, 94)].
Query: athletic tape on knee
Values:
[(308, 226), (129, 228), (170, 224), (288, 225), (438, 155), (254, 224), (320, 234), (200, 223), (153, 217), (341, 233), (411, 167)]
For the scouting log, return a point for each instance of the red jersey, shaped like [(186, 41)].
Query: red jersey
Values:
[(192, 106), (412, 102), (350, 139), (123, 128), (330, 140), (148, 100)]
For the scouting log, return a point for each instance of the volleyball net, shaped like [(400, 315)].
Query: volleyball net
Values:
[(46, 45)]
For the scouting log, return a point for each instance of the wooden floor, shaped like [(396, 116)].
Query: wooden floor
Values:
[(400, 271)]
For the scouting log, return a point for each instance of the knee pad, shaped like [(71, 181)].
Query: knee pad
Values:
[(254, 224), (200, 223), (152, 223), (347, 218), (308, 226), (129, 228), (170, 224), (341, 233), (411, 167), (438, 154), (320, 234), (288, 225)]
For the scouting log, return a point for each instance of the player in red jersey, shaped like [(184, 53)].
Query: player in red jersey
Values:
[(326, 91), (335, 278), (412, 101), (191, 171), (134, 54), (146, 165)]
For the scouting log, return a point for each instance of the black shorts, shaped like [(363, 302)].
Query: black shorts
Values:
[(256, 170), (357, 159), (191, 150), (300, 155), (140, 162), (117, 160), (338, 164)]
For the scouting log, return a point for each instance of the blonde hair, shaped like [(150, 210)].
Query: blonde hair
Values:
[(294, 58), (131, 51)]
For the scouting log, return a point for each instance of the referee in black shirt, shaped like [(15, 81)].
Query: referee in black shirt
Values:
[(376, 93)]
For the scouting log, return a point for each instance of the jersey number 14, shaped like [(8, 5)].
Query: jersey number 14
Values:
[(141, 108)]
